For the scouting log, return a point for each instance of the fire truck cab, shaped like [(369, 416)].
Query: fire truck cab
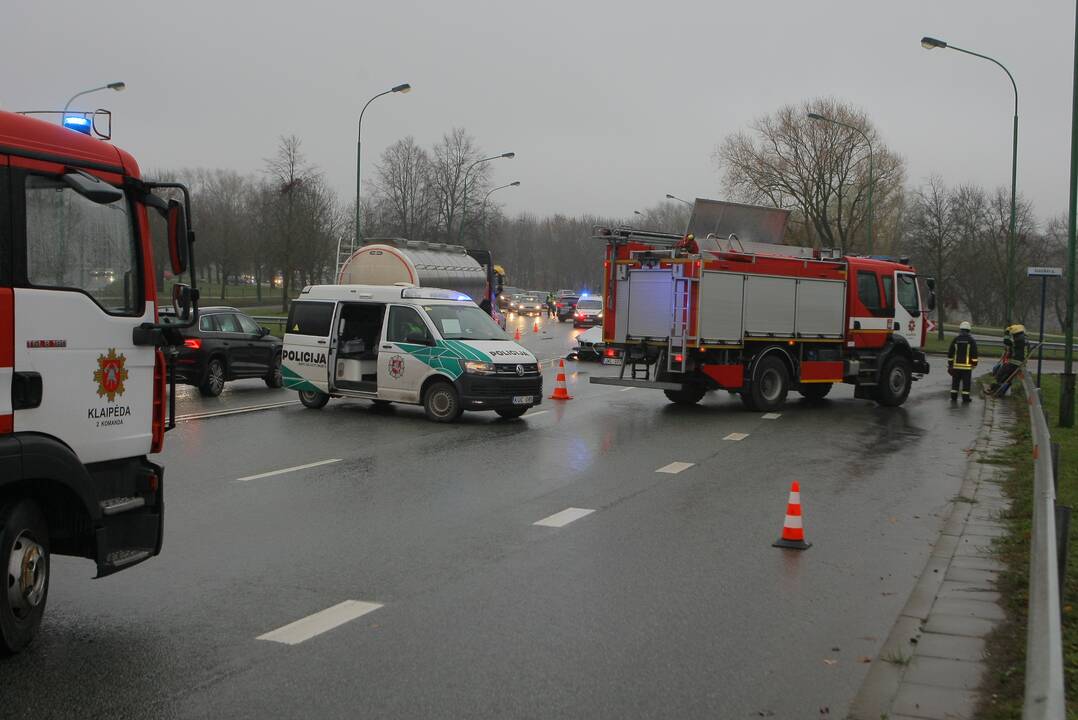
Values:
[(82, 360), (755, 317)]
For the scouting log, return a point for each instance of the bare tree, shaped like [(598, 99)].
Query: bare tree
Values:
[(933, 238), (288, 170), (452, 157), (819, 170), (403, 185)]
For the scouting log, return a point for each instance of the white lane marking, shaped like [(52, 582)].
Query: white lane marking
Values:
[(771, 416), (627, 389), (234, 411), (287, 470), (563, 518), (736, 436), (306, 628), (675, 467), (537, 412)]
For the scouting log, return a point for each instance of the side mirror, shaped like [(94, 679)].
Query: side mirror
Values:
[(177, 237), (931, 301), (182, 302), (930, 283), (263, 331)]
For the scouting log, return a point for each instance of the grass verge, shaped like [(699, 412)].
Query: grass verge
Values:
[(1004, 684)]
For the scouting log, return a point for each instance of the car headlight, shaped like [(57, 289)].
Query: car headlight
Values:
[(599, 315), (478, 367)]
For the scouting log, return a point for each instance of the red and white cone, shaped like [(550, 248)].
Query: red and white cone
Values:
[(561, 392), (535, 327), (516, 335), (793, 530)]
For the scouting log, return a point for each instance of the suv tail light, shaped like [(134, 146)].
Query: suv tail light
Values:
[(193, 343)]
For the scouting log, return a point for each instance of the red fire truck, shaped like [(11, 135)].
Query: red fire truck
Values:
[(738, 311), (82, 357)]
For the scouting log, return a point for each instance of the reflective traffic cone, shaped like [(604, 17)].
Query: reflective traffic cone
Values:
[(793, 531), (561, 392), (535, 327), (516, 335)]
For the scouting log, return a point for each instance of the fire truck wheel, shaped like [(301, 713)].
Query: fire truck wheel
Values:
[(815, 391), (274, 379), (24, 558), (770, 383), (215, 379), (894, 382), (313, 399), (441, 403), (689, 395)]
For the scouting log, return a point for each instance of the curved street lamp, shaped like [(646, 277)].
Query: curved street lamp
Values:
[(515, 183), (464, 199), (675, 197), (931, 43), (402, 88), (871, 172), (117, 86)]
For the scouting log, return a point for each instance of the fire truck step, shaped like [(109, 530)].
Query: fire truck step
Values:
[(119, 558), (115, 506)]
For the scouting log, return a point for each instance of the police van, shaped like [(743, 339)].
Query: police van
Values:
[(406, 344)]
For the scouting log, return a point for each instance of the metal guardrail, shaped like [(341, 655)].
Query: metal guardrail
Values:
[(1044, 698), (270, 319)]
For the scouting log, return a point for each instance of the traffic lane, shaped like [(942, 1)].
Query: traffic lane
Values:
[(408, 555), (668, 600), (237, 395)]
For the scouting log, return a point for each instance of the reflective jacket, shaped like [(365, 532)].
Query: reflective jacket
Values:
[(962, 354)]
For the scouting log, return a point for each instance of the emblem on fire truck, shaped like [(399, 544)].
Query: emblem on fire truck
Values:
[(110, 375), (396, 366)]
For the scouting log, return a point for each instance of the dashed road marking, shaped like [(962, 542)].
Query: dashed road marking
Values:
[(675, 467), (771, 416), (533, 414), (322, 621), (626, 389), (563, 518), (282, 471), (736, 436)]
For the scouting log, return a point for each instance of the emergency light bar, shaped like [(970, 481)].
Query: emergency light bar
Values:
[(415, 293), (78, 123)]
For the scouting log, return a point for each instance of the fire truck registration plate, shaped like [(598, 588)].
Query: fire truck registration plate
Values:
[(522, 399)]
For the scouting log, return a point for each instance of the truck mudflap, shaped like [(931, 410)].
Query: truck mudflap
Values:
[(920, 363), (129, 530), (628, 382)]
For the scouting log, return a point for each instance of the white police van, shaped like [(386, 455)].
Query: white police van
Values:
[(406, 344)]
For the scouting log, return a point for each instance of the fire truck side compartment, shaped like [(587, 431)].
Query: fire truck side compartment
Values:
[(650, 311), (769, 306), (722, 299)]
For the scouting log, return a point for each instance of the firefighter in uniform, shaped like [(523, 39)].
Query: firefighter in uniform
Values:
[(961, 359), (1014, 342)]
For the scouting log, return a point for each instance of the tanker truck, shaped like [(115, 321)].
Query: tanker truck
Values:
[(387, 261)]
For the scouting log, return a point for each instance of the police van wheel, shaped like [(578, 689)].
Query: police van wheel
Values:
[(441, 403), (689, 395), (770, 383), (313, 399), (815, 391), (24, 561), (894, 382), (511, 412)]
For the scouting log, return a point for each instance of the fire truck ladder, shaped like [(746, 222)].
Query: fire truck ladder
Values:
[(677, 356)]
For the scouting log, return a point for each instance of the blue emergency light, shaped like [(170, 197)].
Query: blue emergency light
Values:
[(78, 123)]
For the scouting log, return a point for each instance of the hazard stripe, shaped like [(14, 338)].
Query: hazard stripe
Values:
[(795, 498), (793, 521)]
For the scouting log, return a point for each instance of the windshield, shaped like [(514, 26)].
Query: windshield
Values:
[(464, 322), (590, 305), (533, 298)]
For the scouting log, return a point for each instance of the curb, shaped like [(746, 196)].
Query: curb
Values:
[(881, 686)]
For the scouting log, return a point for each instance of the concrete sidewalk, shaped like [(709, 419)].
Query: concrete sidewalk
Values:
[(931, 664)]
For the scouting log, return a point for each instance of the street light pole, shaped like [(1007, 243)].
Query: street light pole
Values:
[(464, 199), (871, 173), (515, 183), (1066, 391), (930, 43), (117, 86), (402, 88), (675, 197)]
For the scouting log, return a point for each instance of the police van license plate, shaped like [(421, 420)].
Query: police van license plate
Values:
[(522, 399), (611, 361)]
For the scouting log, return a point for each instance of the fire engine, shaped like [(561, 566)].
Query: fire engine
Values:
[(726, 306), (82, 357)]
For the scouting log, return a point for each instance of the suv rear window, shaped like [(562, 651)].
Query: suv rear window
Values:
[(310, 318)]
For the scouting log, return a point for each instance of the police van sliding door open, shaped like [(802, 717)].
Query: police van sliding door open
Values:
[(359, 331)]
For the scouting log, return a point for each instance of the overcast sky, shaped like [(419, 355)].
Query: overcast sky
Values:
[(608, 105)]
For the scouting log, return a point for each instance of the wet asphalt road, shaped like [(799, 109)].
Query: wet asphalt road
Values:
[(666, 601)]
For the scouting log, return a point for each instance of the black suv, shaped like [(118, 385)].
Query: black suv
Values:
[(226, 345)]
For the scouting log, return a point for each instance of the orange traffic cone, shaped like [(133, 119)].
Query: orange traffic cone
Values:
[(561, 392), (793, 531), (535, 327), (516, 335)]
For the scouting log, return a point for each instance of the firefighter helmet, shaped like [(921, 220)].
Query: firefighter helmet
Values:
[(964, 325)]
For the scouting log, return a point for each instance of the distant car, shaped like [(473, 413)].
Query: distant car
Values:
[(225, 345), (590, 347), (565, 306), (528, 304), (589, 311), (506, 296)]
